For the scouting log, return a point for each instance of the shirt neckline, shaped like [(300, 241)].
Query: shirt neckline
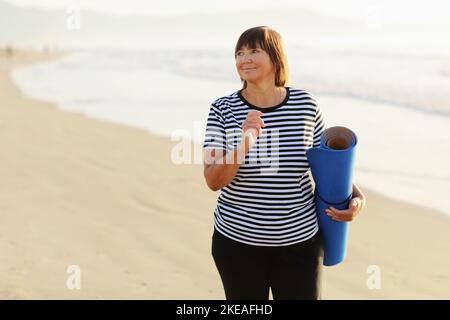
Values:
[(266, 109)]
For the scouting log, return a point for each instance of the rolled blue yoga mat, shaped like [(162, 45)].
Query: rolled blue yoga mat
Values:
[(332, 169)]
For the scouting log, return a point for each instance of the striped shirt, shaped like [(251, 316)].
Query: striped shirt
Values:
[(270, 201)]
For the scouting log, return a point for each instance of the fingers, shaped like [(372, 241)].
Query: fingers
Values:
[(254, 127), (257, 121), (353, 203), (261, 122), (254, 113), (342, 215), (255, 116), (254, 121), (345, 215)]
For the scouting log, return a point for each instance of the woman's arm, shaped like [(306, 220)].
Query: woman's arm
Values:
[(357, 203), (220, 167)]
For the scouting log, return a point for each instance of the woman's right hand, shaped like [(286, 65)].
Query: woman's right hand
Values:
[(252, 127)]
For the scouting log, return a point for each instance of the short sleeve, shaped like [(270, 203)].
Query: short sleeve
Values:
[(215, 135), (319, 126)]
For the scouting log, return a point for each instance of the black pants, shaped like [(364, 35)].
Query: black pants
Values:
[(247, 271)]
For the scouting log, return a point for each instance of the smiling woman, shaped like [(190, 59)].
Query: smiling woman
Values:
[(266, 234), (262, 52)]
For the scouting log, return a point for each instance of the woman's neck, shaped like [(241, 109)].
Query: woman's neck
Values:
[(264, 95)]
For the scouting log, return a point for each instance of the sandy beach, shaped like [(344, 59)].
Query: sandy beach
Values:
[(107, 198)]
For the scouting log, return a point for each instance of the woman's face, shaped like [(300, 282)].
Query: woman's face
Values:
[(254, 65)]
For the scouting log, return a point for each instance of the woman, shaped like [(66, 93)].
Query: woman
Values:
[(266, 234)]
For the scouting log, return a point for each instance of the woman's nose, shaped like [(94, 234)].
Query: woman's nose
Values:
[(246, 58)]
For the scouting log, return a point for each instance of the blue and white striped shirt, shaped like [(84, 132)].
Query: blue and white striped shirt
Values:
[(270, 201)]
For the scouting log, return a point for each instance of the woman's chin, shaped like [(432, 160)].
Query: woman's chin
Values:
[(251, 79)]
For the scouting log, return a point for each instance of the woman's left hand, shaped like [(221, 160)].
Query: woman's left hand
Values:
[(356, 204), (349, 214)]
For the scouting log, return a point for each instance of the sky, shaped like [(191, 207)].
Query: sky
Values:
[(387, 11)]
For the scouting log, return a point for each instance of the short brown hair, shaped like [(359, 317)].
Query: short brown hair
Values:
[(271, 42)]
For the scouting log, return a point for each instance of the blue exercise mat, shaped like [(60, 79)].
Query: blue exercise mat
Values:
[(332, 169)]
